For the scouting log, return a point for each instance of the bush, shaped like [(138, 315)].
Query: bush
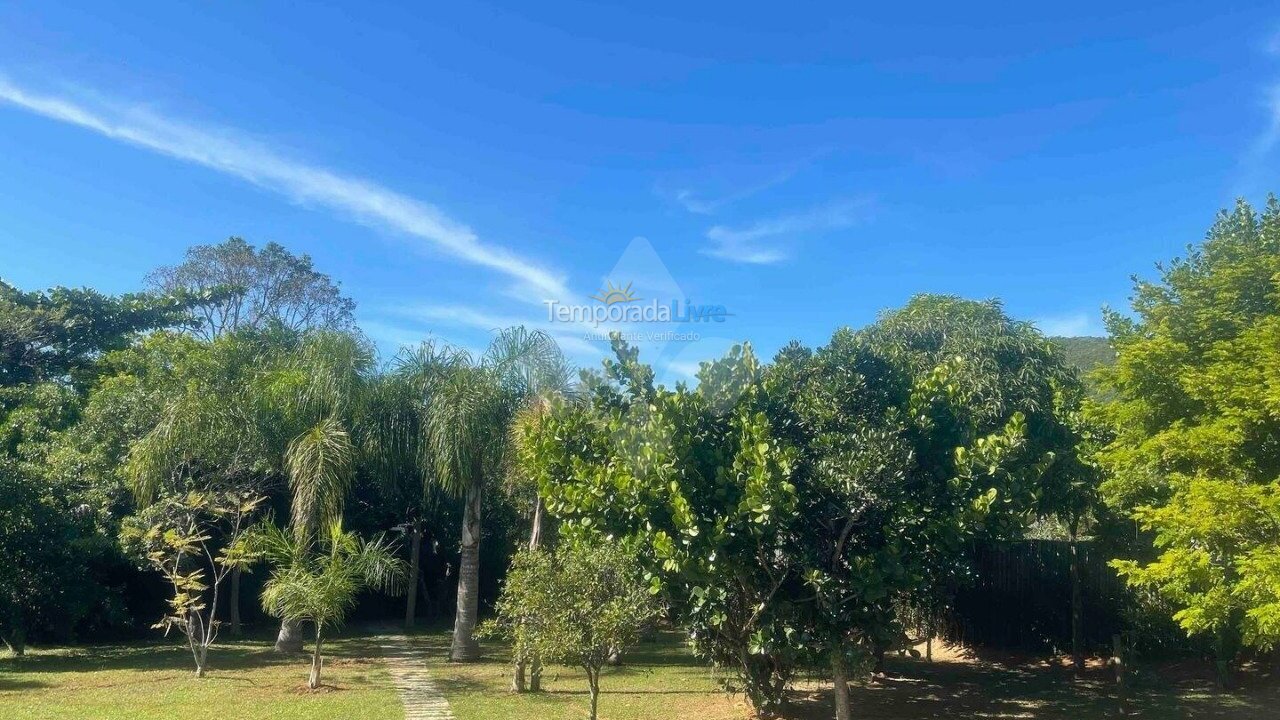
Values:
[(577, 606)]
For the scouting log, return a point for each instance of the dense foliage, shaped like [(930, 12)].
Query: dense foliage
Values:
[(788, 511), (1196, 416), (60, 560), (805, 514)]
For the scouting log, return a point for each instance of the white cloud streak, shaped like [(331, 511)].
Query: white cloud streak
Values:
[(764, 242), (227, 152)]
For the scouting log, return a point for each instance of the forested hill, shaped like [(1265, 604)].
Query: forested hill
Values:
[(1087, 354)]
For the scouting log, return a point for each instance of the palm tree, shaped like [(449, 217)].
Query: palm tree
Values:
[(251, 407), (395, 444), (308, 404), (318, 581), (467, 423)]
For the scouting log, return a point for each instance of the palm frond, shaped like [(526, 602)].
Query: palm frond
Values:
[(319, 463)]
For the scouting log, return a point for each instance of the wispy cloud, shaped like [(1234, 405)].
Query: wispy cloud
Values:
[(1071, 325), (703, 202), (768, 241), (468, 317), (1270, 135), (693, 201), (229, 152), (1256, 165)]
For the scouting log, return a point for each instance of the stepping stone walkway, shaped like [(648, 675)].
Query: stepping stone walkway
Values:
[(419, 694)]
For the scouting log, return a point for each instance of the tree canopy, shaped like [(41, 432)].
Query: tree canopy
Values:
[(251, 288), (1196, 415)]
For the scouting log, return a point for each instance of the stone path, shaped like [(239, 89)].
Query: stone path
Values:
[(419, 694)]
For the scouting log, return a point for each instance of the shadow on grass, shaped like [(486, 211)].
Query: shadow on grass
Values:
[(993, 690), (604, 690), (8, 684), (172, 656)]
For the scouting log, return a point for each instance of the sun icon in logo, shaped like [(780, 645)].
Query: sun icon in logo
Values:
[(611, 294)]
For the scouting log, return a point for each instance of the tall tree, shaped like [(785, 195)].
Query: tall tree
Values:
[(933, 427), (59, 335), (398, 451), (250, 288), (1196, 414), (698, 480), (311, 403), (52, 350), (261, 408), (467, 426)]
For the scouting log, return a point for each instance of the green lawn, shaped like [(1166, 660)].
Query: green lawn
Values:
[(660, 681), (245, 681)]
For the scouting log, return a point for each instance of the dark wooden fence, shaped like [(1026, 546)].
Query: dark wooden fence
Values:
[(1020, 598)]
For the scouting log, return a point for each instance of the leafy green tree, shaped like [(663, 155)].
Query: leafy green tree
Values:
[(696, 480), (308, 407), (42, 579), (1195, 416), (915, 436), (195, 538), (57, 336), (577, 605), (317, 581), (254, 289), (52, 346), (1218, 543)]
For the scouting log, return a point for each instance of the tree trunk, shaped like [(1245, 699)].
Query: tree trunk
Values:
[(1118, 660), (16, 642), (535, 534), (840, 682), (1224, 653), (313, 681), (1077, 607), (517, 678), (202, 658), (593, 679), (290, 638), (411, 604), (235, 602), (535, 676), (535, 541), (465, 647)]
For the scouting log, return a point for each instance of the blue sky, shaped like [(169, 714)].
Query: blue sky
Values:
[(804, 165)]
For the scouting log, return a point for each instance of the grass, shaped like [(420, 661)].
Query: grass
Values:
[(659, 681), (246, 680)]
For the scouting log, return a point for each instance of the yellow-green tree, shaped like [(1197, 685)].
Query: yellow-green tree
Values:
[(1196, 415)]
